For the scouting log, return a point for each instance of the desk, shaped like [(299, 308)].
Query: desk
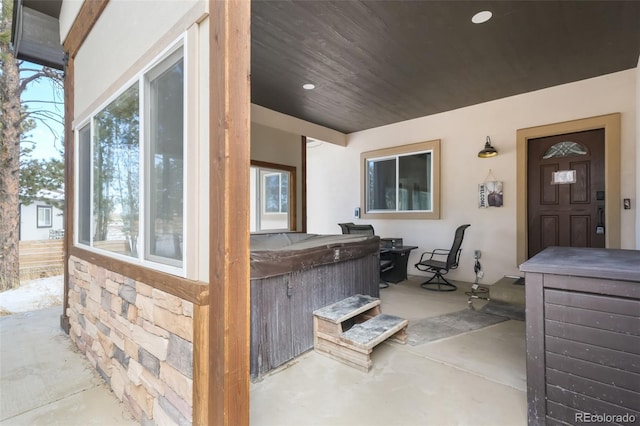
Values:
[(399, 255)]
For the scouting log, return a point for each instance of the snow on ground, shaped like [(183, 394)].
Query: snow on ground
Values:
[(32, 295)]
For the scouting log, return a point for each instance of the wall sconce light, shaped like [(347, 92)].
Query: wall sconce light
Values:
[(488, 150)]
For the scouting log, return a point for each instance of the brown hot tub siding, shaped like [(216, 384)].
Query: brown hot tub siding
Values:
[(289, 282), (583, 317)]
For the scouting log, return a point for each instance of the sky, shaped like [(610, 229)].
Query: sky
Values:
[(48, 143)]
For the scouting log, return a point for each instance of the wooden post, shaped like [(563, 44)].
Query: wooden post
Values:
[(229, 121), (88, 15)]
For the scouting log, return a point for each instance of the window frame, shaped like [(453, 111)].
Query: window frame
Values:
[(292, 202), (44, 208), (189, 265), (271, 173), (134, 82), (433, 147), (161, 66)]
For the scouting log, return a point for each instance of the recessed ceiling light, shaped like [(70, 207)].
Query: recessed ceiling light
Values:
[(308, 86), (481, 17)]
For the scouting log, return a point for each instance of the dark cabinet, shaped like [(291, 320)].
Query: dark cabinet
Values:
[(583, 336)]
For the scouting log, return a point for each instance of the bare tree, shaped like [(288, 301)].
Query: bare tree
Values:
[(15, 119)]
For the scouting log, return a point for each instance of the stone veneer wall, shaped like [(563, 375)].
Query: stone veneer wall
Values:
[(138, 338)]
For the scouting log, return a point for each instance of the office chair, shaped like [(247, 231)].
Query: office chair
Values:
[(352, 228), (429, 262)]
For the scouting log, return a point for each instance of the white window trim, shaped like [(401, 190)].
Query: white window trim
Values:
[(44, 208), (259, 196), (397, 161), (145, 172), (264, 191), (189, 267)]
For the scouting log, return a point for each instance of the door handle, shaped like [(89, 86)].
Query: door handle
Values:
[(600, 225)]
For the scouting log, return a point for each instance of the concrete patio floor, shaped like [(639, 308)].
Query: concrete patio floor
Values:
[(45, 381), (475, 378)]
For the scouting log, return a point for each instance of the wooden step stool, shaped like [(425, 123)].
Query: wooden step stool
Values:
[(348, 330)]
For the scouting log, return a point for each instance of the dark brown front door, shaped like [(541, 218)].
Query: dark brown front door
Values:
[(565, 184)]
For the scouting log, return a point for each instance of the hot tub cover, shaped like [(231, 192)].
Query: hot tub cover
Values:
[(279, 254)]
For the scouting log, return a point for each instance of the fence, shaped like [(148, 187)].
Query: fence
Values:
[(41, 258)]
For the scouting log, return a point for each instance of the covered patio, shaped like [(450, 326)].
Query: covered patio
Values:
[(456, 380)]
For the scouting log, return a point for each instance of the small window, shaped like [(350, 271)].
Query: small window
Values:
[(45, 214), (272, 197), (565, 149), (275, 192), (402, 182)]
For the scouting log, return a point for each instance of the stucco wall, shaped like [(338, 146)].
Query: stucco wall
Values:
[(128, 34), (279, 147), (334, 171), (138, 338), (68, 12), (634, 201)]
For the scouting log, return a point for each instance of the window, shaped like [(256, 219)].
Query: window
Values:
[(130, 173), (272, 197), (84, 185), (116, 151), (45, 214), (275, 192), (565, 149), (165, 162), (402, 182)]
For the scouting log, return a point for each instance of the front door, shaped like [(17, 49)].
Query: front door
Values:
[(565, 191)]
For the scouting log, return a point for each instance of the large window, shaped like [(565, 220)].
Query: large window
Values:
[(402, 182), (130, 171), (272, 204), (165, 161), (116, 181)]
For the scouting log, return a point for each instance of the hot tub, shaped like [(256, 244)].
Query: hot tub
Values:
[(294, 274)]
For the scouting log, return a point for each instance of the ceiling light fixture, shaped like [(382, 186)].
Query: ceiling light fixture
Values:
[(488, 150), (481, 17), (308, 86)]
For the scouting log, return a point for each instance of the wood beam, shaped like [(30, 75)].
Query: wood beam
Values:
[(200, 365), (69, 185), (88, 15), (229, 121)]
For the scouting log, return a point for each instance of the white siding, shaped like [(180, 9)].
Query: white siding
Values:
[(29, 222)]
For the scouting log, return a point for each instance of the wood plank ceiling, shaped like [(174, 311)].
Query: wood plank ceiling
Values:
[(380, 62)]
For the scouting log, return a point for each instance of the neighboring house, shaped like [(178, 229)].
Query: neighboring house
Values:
[(42, 220), (157, 260)]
